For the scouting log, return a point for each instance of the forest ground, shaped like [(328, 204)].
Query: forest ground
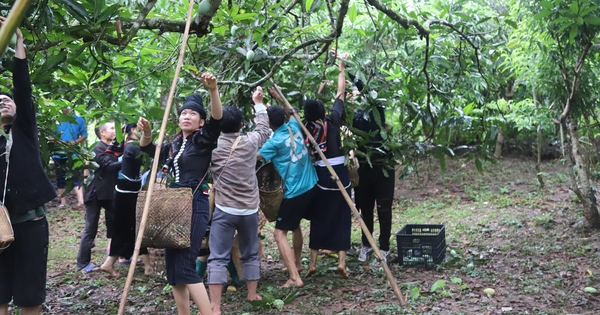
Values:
[(525, 242)]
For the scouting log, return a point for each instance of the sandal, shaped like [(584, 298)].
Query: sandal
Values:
[(89, 268)]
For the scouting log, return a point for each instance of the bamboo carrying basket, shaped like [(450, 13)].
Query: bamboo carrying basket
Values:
[(169, 217), (270, 187), (7, 234), (353, 172)]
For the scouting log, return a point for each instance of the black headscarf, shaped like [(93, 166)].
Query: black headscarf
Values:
[(194, 102)]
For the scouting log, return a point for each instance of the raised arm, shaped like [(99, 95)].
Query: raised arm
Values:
[(144, 125), (261, 133), (275, 91), (210, 82), (341, 90), (22, 86)]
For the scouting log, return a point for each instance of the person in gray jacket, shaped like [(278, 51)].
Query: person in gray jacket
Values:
[(236, 199)]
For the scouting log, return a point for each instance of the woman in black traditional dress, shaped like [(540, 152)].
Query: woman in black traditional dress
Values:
[(128, 185), (330, 216), (187, 158)]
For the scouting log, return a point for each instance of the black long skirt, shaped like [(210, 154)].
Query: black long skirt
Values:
[(331, 218), (123, 240)]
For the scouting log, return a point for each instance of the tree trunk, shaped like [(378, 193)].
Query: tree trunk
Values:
[(538, 168), (581, 178), (499, 143)]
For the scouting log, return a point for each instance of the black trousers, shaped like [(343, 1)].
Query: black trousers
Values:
[(373, 187), (92, 216)]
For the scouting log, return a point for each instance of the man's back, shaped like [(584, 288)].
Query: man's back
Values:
[(292, 162)]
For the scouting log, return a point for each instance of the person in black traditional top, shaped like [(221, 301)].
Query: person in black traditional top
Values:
[(23, 264), (188, 156), (330, 216), (128, 185), (374, 185), (99, 194)]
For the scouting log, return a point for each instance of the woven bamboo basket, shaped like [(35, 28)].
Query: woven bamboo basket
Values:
[(169, 217), (270, 187), (7, 234), (236, 255)]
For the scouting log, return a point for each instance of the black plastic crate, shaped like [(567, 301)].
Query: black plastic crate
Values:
[(421, 245)]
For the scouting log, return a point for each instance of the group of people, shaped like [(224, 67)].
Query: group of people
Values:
[(203, 144)]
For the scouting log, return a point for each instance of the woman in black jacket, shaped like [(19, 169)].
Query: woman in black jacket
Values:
[(188, 157), (28, 188)]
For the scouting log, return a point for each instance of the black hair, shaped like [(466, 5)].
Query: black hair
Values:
[(357, 82), (314, 110), (276, 116), (127, 128), (231, 120), (7, 94)]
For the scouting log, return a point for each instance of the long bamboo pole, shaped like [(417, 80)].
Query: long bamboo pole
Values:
[(14, 18), (355, 212), (159, 142)]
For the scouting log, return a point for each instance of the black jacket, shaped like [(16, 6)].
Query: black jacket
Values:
[(28, 185), (105, 177)]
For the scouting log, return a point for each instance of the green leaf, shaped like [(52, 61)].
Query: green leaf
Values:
[(309, 4), (414, 293), (564, 26), (108, 13), (572, 34), (469, 108), (511, 23), (440, 284), (463, 15), (575, 7), (485, 19), (456, 280), (547, 5), (478, 165), (278, 304), (54, 61), (592, 20), (75, 9), (561, 20), (244, 16), (442, 159), (542, 14), (98, 6), (352, 13)]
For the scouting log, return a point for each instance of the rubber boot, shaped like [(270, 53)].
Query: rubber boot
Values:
[(234, 275), (201, 268)]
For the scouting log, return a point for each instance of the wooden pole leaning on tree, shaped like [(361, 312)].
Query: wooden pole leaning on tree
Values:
[(355, 212), (15, 16), (153, 172)]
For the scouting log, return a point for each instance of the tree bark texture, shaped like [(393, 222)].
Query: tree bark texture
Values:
[(581, 179), (499, 143)]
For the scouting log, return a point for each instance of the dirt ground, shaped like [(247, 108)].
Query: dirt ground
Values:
[(503, 232)]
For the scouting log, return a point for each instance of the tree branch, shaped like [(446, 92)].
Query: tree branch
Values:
[(138, 22), (326, 41), (276, 24), (276, 65), (404, 22), (576, 79)]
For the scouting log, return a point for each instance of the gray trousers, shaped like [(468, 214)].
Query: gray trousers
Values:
[(222, 231)]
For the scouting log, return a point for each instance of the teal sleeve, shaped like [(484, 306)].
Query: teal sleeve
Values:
[(268, 150)]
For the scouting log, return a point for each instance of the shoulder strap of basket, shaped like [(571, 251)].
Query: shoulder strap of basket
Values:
[(8, 147), (293, 152), (235, 144)]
